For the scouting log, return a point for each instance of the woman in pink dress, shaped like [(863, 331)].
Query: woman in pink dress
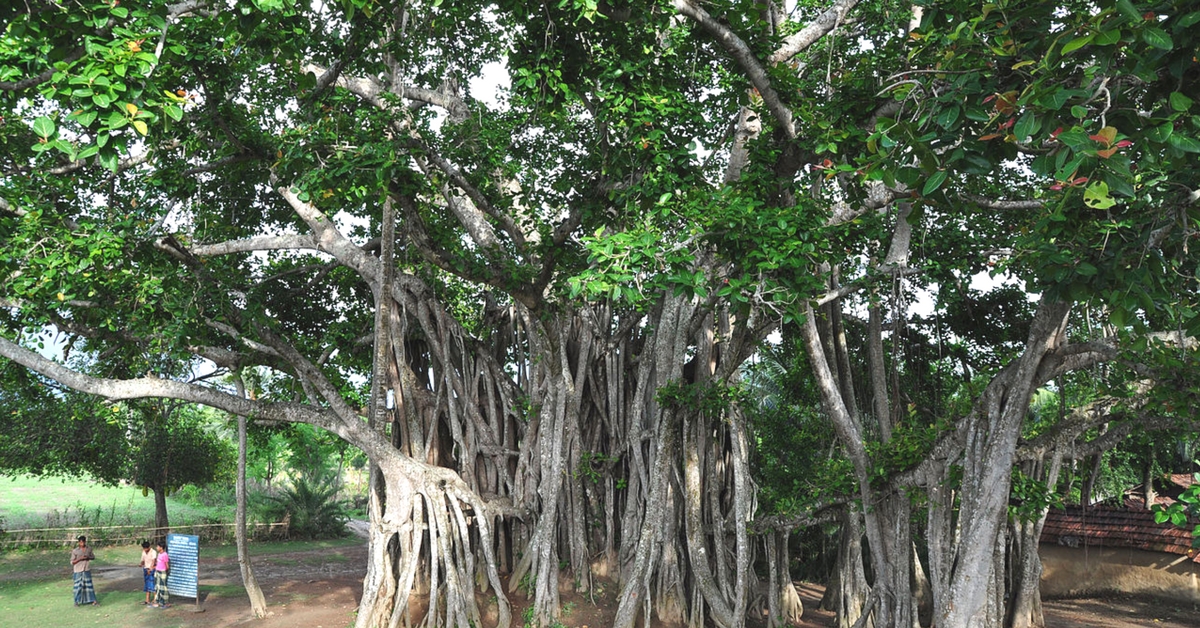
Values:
[(162, 565)]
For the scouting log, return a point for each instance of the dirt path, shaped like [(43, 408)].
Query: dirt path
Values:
[(321, 588), (310, 589)]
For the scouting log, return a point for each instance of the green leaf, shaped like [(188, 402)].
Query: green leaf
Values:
[(934, 182), (1096, 196), (1179, 102), (1026, 125), (1085, 269), (1161, 133), (1157, 38), (1184, 143), (1128, 10), (1055, 100), (64, 147), (947, 117), (1117, 316), (1107, 38), (1076, 44), (1079, 112), (1118, 185), (173, 112), (109, 159), (1188, 20), (43, 126), (86, 118)]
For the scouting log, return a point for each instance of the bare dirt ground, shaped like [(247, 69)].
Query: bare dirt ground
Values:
[(303, 589), (314, 589), (1109, 612)]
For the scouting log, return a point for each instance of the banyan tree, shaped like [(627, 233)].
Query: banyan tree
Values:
[(518, 254)]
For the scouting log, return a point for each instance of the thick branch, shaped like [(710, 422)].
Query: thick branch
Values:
[(988, 203), (826, 512), (34, 81), (372, 91), (261, 243), (814, 31), (352, 431), (744, 57)]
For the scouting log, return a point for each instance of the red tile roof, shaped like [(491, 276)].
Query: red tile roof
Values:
[(1113, 527)]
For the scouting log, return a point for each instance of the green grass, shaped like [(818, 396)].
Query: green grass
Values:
[(31, 502), (47, 604), (52, 563), (55, 563), (35, 584), (42, 562)]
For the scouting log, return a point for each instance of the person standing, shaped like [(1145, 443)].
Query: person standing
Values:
[(149, 560), (162, 564), (81, 567)]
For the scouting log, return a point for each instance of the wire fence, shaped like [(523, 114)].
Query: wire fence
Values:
[(128, 534)]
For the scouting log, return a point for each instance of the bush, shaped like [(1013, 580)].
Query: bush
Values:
[(214, 495), (315, 511)]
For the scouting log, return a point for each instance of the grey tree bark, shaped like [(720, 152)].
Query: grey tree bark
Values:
[(258, 602)]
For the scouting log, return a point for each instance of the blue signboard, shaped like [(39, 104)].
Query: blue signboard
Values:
[(184, 550)]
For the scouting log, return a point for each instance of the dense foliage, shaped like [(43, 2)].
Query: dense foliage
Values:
[(556, 278)]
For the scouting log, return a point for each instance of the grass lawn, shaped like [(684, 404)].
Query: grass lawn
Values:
[(30, 502), (52, 563)]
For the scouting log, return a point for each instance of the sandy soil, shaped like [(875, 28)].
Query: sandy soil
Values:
[(314, 590)]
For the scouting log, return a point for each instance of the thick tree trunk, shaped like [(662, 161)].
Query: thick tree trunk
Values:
[(894, 510), (991, 440), (161, 525), (1149, 495), (847, 592), (922, 590), (258, 602), (784, 606), (1025, 604)]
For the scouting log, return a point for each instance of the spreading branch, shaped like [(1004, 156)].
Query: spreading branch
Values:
[(745, 59), (814, 31)]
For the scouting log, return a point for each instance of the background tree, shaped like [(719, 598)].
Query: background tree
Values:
[(173, 449), (158, 446)]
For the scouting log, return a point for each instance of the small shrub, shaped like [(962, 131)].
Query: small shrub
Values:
[(215, 495), (316, 513)]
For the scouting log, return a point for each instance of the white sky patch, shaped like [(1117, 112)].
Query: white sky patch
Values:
[(923, 306), (491, 82), (347, 222)]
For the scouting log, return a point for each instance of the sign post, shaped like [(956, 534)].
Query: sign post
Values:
[(184, 577)]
